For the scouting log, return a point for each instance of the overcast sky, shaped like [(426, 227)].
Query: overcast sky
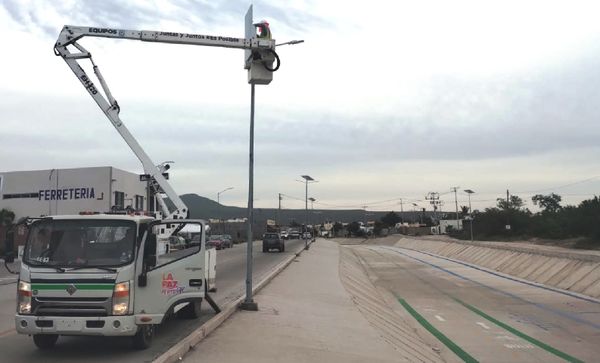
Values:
[(384, 100)]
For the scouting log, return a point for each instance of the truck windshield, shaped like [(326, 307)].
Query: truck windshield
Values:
[(80, 243)]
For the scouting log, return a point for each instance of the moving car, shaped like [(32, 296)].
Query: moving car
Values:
[(229, 238), (219, 242), (273, 241)]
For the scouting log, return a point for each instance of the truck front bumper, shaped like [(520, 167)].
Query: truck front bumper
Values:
[(72, 325)]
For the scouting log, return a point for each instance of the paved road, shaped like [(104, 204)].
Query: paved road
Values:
[(231, 272), (490, 318)]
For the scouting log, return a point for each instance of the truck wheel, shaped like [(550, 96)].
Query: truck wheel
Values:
[(191, 310), (144, 336), (45, 341)]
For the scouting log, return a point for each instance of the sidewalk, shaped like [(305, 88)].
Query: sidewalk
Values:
[(305, 315)]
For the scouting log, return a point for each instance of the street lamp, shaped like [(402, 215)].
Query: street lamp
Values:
[(221, 192), (415, 205), (469, 192), (307, 179)]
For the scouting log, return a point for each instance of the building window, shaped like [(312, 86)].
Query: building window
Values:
[(21, 195), (120, 200), (139, 202)]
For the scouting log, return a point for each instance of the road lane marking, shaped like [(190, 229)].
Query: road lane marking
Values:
[(520, 334), (440, 318), (438, 334), (483, 325), (518, 346)]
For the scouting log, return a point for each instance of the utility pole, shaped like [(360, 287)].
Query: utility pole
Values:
[(401, 210), (469, 192), (507, 211), (434, 200), (307, 179), (456, 204), (279, 212)]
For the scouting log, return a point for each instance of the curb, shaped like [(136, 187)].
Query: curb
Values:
[(178, 351)]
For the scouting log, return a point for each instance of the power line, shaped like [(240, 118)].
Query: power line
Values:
[(560, 186)]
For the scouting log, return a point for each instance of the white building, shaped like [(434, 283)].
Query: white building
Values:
[(70, 191)]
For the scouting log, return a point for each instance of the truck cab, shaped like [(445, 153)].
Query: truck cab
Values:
[(103, 275)]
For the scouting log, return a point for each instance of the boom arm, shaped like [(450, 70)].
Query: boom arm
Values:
[(67, 40)]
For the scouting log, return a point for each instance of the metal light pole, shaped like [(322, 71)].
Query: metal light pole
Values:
[(456, 205), (469, 192), (307, 179), (249, 303), (221, 192), (312, 208), (415, 205)]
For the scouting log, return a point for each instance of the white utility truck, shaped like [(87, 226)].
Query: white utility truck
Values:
[(107, 274)]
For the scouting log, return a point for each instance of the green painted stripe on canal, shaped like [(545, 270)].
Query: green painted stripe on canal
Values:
[(438, 334), (520, 334)]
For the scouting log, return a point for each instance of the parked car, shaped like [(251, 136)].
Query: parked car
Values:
[(229, 238), (284, 234), (306, 235), (218, 242), (294, 235), (273, 241)]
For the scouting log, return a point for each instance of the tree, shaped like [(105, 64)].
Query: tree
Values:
[(6, 217), (515, 202), (390, 219), (337, 226), (353, 227), (549, 203), (464, 210)]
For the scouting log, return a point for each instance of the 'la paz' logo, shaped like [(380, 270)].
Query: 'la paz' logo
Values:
[(170, 286), (168, 282)]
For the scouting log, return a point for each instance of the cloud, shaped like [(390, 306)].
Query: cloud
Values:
[(188, 14), (377, 102)]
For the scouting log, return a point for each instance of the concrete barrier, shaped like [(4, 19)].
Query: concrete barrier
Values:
[(575, 271), (176, 352)]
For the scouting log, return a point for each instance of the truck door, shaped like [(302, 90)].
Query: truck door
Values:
[(177, 277)]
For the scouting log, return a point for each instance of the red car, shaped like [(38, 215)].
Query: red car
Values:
[(218, 242)]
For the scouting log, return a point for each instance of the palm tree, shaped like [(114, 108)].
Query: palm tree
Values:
[(6, 217)]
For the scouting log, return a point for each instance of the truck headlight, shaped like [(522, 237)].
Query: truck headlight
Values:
[(24, 298), (121, 299)]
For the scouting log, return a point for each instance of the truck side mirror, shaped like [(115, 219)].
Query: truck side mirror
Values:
[(149, 259), (9, 246), (150, 251)]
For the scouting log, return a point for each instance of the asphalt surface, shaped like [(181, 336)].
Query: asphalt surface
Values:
[(231, 272), (484, 317)]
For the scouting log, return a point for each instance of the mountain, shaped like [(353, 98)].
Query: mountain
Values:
[(205, 208)]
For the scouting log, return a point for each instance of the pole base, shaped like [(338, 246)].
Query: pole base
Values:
[(249, 306)]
